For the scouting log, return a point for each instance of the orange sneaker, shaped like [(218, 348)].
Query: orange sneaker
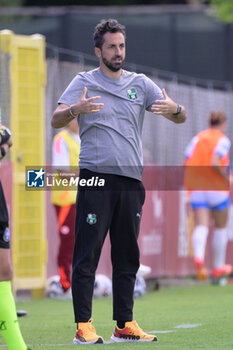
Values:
[(131, 333), (202, 273), (223, 271), (86, 334)]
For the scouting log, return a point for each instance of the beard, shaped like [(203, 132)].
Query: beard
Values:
[(113, 66)]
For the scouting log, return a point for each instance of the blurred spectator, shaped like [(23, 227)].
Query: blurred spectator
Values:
[(207, 160), (66, 148)]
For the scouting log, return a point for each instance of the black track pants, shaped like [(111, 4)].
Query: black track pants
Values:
[(117, 208)]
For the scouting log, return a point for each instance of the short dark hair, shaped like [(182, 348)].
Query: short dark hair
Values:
[(217, 117), (106, 26)]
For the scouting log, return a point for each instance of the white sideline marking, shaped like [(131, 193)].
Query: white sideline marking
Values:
[(189, 325), (161, 332)]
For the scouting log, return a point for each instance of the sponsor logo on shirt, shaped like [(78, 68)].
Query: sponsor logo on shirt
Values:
[(132, 94)]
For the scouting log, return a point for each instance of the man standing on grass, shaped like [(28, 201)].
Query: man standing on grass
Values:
[(111, 148)]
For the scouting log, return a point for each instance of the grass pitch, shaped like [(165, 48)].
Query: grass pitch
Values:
[(203, 314)]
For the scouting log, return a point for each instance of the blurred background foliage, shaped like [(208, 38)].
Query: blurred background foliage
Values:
[(223, 8)]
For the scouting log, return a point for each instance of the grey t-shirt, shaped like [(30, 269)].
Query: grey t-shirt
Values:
[(111, 140)]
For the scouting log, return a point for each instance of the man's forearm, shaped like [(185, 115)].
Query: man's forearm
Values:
[(61, 117), (181, 117), (177, 118)]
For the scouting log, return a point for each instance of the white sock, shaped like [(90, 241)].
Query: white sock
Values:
[(199, 239), (219, 245)]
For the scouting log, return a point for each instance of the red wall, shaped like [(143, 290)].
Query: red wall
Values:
[(164, 235)]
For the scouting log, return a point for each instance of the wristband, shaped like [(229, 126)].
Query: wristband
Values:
[(71, 113), (3, 151), (5, 135), (178, 110)]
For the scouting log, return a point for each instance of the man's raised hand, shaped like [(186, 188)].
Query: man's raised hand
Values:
[(166, 106), (168, 109), (86, 105)]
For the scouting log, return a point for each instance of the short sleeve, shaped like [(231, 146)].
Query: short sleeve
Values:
[(153, 92), (223, 147), (73, 91)]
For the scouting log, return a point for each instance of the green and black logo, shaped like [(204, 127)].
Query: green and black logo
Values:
[(132, 94), (91, 219)]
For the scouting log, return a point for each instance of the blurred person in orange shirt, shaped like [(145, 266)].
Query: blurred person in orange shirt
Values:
[(207, 179)]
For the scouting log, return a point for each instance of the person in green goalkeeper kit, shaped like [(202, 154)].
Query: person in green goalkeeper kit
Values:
[(8, 317)]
